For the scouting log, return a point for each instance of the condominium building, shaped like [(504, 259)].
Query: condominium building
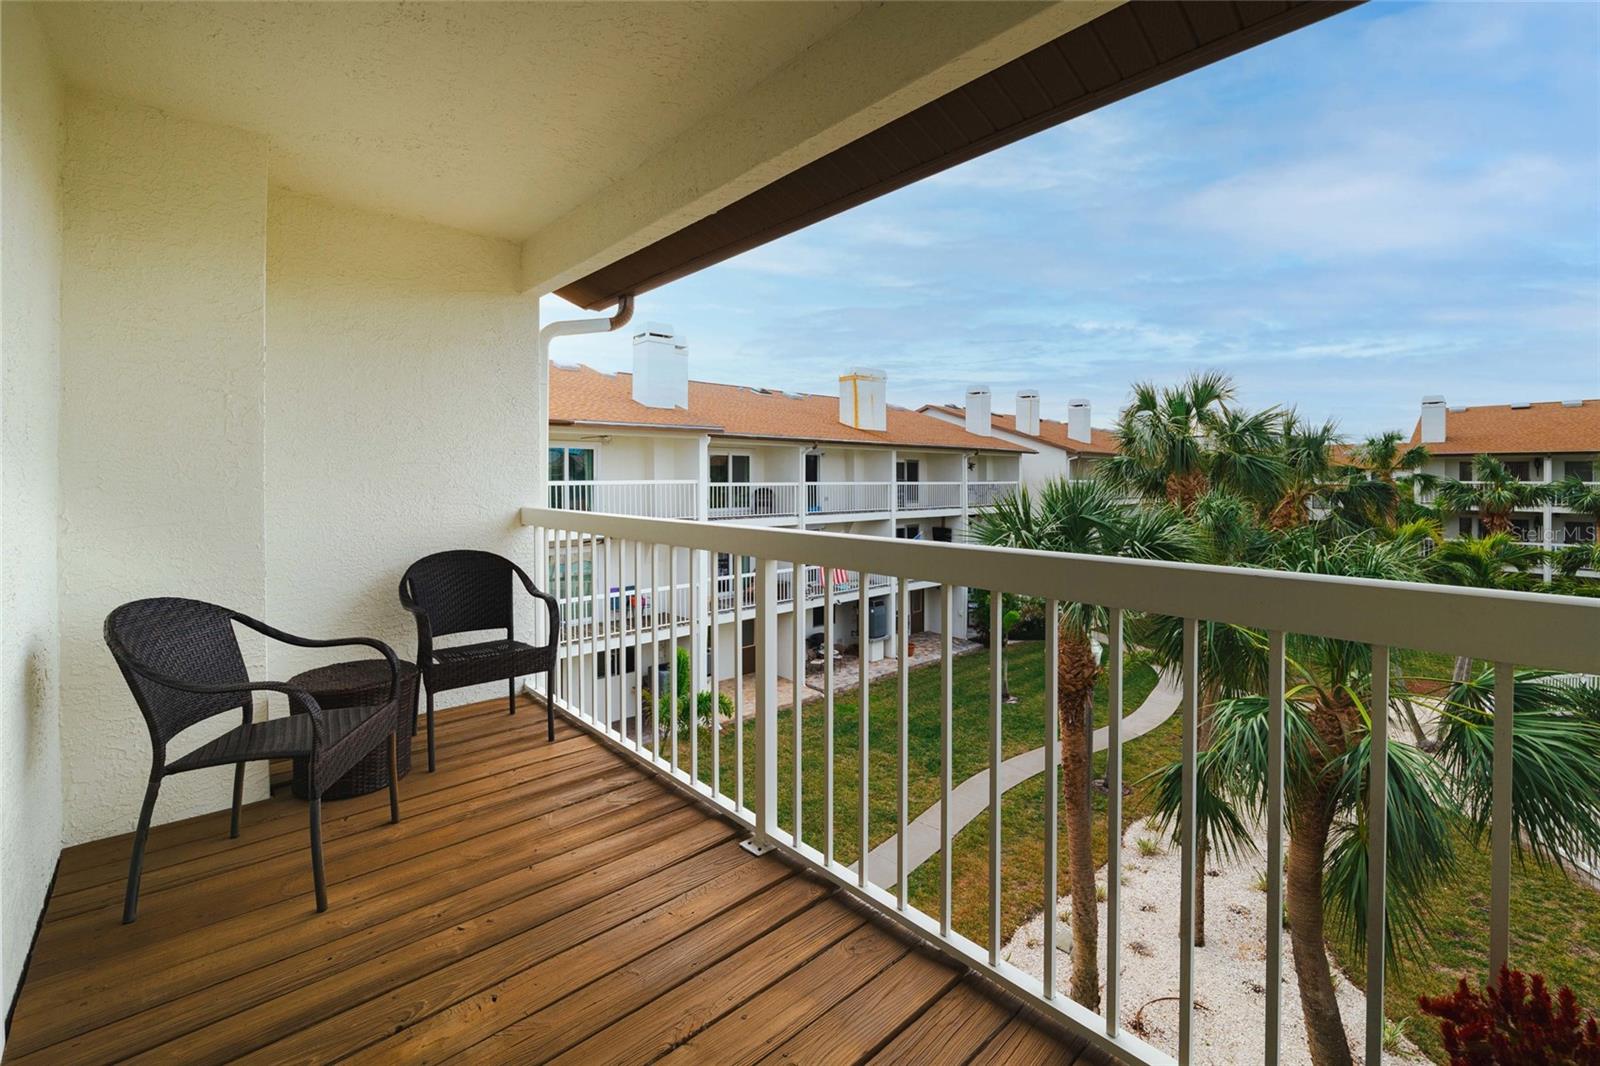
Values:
[(1070, 448), (1538, 442), (653, 443)]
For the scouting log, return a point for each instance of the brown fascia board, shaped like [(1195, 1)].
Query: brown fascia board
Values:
[(1125, 51)]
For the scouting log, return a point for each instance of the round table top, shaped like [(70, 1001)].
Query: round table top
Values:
[(353, 676)]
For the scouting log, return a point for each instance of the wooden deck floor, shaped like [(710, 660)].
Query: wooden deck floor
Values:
[(538, 902)]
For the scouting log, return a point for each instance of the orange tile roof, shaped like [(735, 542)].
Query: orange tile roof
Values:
[(582, 394), (1101, 441), (1502, 429)]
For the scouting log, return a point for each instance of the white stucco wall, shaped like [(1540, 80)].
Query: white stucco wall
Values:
[(30, 403), (162, 317), (402, 416)]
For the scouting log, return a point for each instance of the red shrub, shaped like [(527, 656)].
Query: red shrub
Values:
[(1514, 1023)]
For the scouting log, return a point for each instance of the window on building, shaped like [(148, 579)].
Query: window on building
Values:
[(1579, 533), (1525, 529), (908, 533), (817, 616), (1464, 527), (908, 470), (733, 473), (1582, 469), (1521, 469), (571, 477), (1464, 471)]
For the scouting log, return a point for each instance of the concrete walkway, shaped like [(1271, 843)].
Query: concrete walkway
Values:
[(970, 798)]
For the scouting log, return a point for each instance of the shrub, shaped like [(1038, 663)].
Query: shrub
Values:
[(702, 704), (1515, 1023)]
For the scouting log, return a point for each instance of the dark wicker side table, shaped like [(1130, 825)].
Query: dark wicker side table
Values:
[(348, 685)]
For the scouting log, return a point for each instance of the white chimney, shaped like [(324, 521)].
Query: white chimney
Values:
[(978, 410), (863, 402), (660, 367), (1027, 416), (1078, 421), (1433, 415)]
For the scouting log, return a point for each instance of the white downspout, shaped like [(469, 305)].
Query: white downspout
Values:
[(570, 327), (566, 328)]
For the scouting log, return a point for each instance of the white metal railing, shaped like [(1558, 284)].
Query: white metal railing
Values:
[(755, 499), (644, 499), (846, 497), (983, 493), (1555, 632), (927, 495)]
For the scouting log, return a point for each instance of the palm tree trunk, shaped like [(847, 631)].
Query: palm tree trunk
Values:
[(1310, 823), (1075, 676)]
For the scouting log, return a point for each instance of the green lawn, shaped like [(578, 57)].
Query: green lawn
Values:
[(1555, 930), (1022, 730), (1555, 921)]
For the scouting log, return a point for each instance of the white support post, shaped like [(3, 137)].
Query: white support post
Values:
[(1190, 712), (1500, 821), (1377, 846), (1052, 794), (1275, 696), (1114, 653), (996, 676), (766, 723)]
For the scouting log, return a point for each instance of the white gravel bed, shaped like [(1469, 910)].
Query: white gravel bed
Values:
[(1230, 971)]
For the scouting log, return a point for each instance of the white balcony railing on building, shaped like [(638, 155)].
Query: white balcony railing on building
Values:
[(983, 493), (1554, 632), (847, 497), (758, 499), (642, 499), (928, 495)]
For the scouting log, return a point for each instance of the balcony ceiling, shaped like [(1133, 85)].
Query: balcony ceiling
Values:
[(583, 131), (493, 118)]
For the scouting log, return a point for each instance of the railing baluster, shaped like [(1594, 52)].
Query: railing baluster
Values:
[(1114, 695), (827, 716), (737, 562), (766, 791), (799, 672), (655, 653), (864, 606), (1377, 846), (696, 661), (638, 645), (1186, 831), (622, 640), (947, 618), (1052, 795), (1275, 710), (716, 679), (903, 649), (605, 630), (1500, 824), (996, 693), (672, 648)]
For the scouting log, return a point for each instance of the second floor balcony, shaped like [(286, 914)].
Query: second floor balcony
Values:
[(778, 502)]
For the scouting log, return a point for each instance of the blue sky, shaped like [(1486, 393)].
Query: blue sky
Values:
[(1399, 200)]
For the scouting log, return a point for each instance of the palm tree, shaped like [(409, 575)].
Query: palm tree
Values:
[(1327, 765), (1495, 494), (1084, 517), (1175, 443), (1496, 561), (1313, 481), (1580, 496), (1392, 461), (1233, 659)]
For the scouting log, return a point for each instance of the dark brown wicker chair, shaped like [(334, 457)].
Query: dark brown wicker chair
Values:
[(469, 592), (181, 659)]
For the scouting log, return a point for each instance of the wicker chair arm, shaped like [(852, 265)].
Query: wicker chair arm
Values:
[(299, 699), (549, 601), (339, 642), (424, 627)]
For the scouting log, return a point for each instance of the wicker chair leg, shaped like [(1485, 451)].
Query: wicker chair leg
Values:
[(511, 695), (394, 776), (550, 704), (430, 731), (130, 900), (238, 799), (316, 850)]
